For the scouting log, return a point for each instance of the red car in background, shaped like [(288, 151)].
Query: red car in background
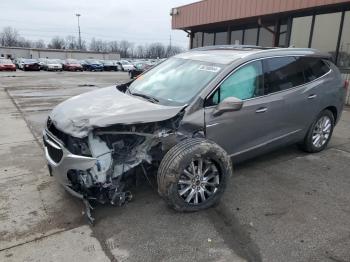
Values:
[(7, 65), (72, 65)]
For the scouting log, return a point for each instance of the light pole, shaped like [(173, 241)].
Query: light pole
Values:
[(78, 15)]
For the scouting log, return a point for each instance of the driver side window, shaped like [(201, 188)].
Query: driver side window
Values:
[(245, 83)]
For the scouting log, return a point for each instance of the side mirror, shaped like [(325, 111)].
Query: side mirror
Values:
[(229, 104)]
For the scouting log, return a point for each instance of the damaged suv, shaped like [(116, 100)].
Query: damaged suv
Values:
[(188, 117)]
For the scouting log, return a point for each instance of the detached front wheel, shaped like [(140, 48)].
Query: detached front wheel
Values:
[(193, 175)]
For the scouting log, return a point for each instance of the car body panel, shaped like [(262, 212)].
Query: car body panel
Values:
[(7, 65), (28, 65), (104, 107)]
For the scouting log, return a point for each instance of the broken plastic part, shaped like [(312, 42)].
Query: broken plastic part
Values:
[(88, 209)]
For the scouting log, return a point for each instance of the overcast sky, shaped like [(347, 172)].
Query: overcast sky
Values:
[(139, 21)]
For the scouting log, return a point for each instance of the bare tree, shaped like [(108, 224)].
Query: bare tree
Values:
[(83, 45), (113, 47), (22, 42), (140, 51), (98, 45), (57, 43), (172, 50), (156, 50), (124, 48), (71, 42), (39, 44), (9, 37)]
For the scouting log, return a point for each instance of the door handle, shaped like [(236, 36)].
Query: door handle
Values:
[(313, 96), (261, 110)]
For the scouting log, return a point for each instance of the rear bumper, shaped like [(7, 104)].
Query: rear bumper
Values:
[(60, 160)]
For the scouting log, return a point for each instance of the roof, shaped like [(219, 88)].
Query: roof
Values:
[(216, 11), (228, 54)]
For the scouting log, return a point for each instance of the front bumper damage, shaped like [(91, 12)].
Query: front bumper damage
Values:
[(60, 161), (100, 172)]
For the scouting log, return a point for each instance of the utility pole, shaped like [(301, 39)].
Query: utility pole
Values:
[(78, 16)]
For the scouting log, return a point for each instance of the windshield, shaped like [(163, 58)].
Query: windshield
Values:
[(72, 61), (176, 81), (30, 61), (94, 62), (5, 61), (108, 63), (53, 61)]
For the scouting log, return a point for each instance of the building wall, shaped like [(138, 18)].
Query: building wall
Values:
[(54, 54), (215, 11), (327, 30), (14, 53)]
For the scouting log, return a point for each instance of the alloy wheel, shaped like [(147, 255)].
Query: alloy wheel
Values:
[(199, 181), (322, 132)]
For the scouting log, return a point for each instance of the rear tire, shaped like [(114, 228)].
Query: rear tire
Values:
[(320, 133), (193, 175)]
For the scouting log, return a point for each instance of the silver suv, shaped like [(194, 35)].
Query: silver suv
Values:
[(187, 118)]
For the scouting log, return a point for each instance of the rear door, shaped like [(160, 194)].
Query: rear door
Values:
[(284, 81), (318, 89)]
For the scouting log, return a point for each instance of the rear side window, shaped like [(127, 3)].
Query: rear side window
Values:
[(314, 68), (282, 73)]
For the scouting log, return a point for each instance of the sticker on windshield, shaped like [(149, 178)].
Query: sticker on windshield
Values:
[(207, 68)]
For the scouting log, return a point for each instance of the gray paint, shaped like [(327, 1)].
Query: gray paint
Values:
[(105, 107)]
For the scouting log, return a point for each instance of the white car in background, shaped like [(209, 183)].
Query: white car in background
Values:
[(52, 65), (125, 65)]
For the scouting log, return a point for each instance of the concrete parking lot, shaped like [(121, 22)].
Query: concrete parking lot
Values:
[(283, 206)]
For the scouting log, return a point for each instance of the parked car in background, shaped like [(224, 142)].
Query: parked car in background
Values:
[(28, 64), (109, 65), (7, 65), (92, 65), (41, 62), (52, 65), (139, 68), (189, 117), (82, 62), (72, 65), (125, 65)]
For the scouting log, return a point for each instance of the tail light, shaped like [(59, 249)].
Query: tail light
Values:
[(346, 84)]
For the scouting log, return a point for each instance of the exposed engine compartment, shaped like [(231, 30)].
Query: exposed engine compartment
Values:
[(119, 151)]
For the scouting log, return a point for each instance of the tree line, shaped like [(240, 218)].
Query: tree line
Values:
[(10, 37)]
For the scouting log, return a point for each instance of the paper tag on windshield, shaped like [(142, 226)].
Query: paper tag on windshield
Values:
[(214, 69)]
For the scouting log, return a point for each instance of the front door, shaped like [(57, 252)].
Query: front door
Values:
[(242, 131)]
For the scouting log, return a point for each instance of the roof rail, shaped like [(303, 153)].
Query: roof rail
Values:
[(231, 47)]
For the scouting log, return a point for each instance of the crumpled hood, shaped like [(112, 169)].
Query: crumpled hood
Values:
[(104, 107)]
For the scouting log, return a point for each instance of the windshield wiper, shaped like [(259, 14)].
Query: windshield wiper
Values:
[(149, 98)]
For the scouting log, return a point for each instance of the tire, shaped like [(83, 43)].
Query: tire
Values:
[(309, 144), (171, 175)]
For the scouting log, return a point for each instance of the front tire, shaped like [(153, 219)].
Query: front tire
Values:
[(193, 175), (320, 133)]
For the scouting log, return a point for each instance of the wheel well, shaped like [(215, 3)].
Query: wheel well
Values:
[(334, 111)]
